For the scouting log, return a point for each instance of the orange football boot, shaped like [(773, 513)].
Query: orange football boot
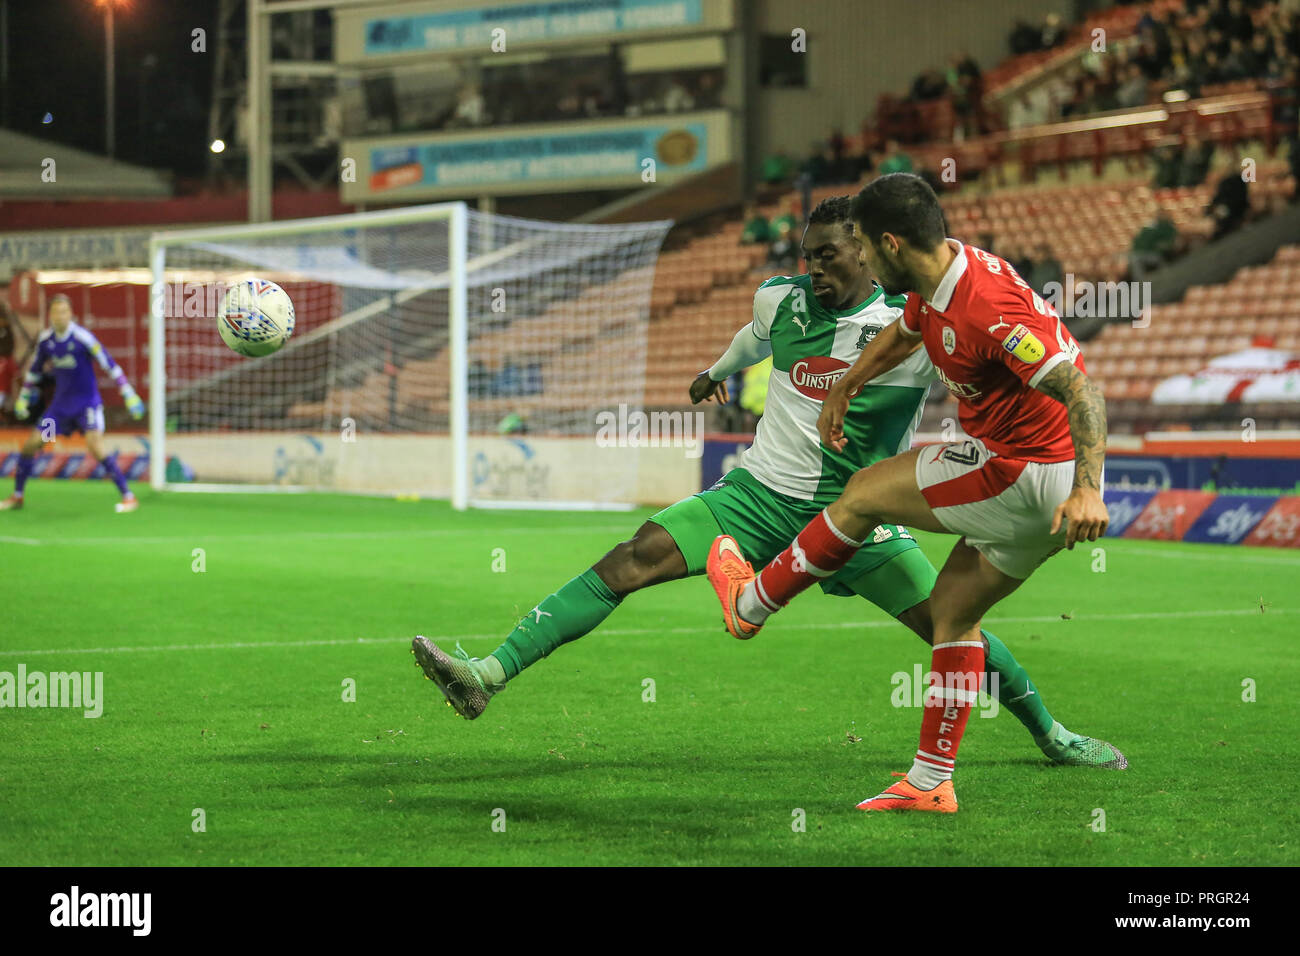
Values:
[(729, 572), (904, 796)]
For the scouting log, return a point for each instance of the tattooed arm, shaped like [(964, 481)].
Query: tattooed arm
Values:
[(1083, 513)]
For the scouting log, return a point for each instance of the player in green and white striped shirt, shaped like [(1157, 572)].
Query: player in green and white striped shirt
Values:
[(813, 326)]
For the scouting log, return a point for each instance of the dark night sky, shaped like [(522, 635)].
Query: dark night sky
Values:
[(56, 66)]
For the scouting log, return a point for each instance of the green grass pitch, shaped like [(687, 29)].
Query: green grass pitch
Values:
[(224, 693)]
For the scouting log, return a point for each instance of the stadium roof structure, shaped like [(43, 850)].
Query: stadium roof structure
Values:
[(76, 173)]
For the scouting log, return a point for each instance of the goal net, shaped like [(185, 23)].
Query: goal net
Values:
[(438, 351)]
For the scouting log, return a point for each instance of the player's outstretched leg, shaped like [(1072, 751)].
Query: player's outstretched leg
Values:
[(884, 493), (730, 574), (460, 681), (650, 557), (1066, 747), (26, 461)]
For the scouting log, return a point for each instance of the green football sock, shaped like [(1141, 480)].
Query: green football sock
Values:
[(1016, 692), (564, 616)]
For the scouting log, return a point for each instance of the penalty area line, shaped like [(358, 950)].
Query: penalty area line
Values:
[(625, 632)]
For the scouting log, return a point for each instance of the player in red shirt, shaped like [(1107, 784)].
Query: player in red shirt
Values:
[(1026, 483)]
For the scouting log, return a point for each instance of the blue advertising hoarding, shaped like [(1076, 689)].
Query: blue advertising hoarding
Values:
[(597, 154), (1229, 519), (524, 23)]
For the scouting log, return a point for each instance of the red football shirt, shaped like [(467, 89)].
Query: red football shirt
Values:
[(992, 339)]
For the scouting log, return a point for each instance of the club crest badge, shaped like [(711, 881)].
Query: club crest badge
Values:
[(949, 339)]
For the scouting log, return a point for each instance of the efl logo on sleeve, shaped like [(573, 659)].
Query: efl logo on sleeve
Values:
[(1024, 345)]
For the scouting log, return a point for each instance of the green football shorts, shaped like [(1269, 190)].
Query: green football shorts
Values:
[(890, 571)]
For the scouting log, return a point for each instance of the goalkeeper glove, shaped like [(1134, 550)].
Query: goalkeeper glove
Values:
[(134, 404), (21, 408)]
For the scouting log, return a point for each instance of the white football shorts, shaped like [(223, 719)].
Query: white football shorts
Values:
[(1002, 506)]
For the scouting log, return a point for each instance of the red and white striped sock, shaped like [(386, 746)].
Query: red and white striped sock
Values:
[(818, 551), (956, 672)]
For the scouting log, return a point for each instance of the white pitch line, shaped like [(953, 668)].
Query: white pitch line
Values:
[(626, 632), (1199, 555), (200, 537)]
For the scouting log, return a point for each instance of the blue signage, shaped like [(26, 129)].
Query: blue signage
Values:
[(1123, 506), (498, 159), (525, 23), (1229, 518)]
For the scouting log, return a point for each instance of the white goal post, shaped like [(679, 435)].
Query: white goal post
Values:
[(439, 351)]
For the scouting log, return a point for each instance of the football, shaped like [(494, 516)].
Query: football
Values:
[(256, 317)]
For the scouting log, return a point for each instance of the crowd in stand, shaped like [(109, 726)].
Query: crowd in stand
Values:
[(1188, 48), (1202, 44)]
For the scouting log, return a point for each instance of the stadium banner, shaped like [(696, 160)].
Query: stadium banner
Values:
[(71, 248), (721, 454), (501, 467), (1229, 518), (1169, 515), (1257, 374), (1124, 506), (415, 31), (596, 154), (1280, 528)]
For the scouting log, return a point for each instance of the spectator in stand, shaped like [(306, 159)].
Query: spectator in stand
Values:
[(1230, 203), (1210, 70), (1154, 47), (1054, 31), (858, 164), (471, 110), (777, 168), (677, 98), (803, 183), (929, 85), (787, 220), (753, 389), (1197, 156), (895, 161), (1028, 109), (1180, 67), (1083, 101), (757, 228), (1252, 60), (1132, 92), (1155, 244), (783, 255), (1293, 162), (1020, 258), (1168, 159), (8, 367), (828, 169), (1236, 23), (1046, 269), (839, 147), (1025, 38), (817, 166), (966, 86)]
